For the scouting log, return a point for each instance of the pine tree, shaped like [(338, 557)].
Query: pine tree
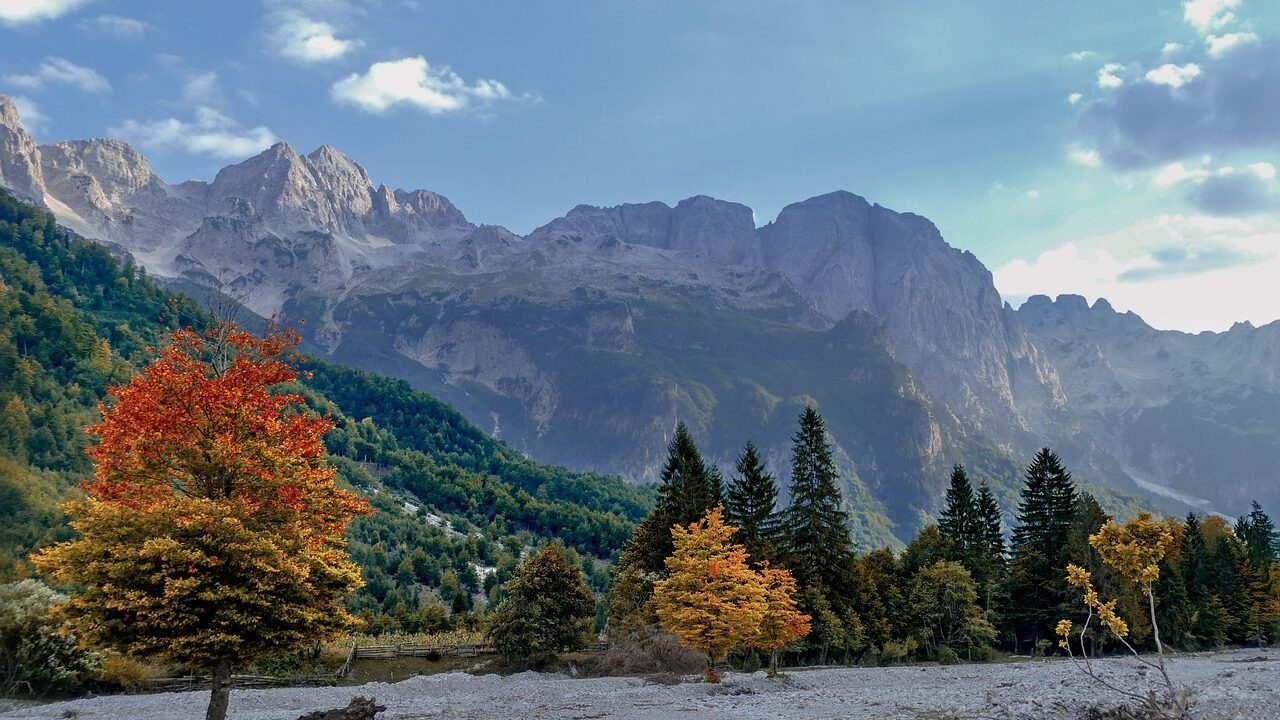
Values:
[(817, 533), (1040, 546), (959, 520), (750, 505), (687, 492), (1258, 534), (989, 569)]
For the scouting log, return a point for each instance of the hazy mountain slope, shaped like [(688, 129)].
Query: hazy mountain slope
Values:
[(75, 321), (1195, 416)]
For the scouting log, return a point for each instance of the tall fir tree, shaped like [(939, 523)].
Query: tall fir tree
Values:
[(689, 489), (750, 505), (1040, 547), (817, 533), (1258, 533), (959, 519), (989, 570)]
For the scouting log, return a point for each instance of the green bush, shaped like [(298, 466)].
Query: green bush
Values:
[(34, 657)]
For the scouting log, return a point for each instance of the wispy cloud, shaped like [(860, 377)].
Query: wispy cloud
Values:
[(413, 82), (60, 71), (118, 26), (209, 132)]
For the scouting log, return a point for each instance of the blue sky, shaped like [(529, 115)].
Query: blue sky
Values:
[(1154, 186)]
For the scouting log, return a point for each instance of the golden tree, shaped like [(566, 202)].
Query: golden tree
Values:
[(711, 599), (1135, 550), (783, 622), (212, 533)]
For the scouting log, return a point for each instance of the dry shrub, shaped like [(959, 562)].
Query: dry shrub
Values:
[(654, 655), (131, 675)]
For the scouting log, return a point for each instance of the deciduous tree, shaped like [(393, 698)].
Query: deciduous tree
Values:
[(212, 532), (711, 599), (782, 623)]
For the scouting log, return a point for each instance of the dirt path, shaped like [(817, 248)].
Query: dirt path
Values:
[(1242, 684)]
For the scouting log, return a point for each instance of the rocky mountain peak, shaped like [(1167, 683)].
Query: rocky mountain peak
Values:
[(19, 157)]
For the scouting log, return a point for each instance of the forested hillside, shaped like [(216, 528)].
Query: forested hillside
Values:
[(455, 508)]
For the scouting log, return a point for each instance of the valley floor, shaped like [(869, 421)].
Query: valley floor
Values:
[(1229, 685)]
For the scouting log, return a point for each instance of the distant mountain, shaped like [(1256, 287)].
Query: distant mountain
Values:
[(74, 321), (585, 341), (1195, 417)]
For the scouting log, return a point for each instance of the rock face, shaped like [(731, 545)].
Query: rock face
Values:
[(1175, 409), (19, 157), (585, 341)]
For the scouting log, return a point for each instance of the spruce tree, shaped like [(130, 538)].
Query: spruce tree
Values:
[(817, 533), (989, 568), (687, 492), (989, 522), (959, 519), (750, 506), (1036, 584), (1258, 534)]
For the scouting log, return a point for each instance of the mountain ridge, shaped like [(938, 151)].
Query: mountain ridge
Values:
[(577, 340)]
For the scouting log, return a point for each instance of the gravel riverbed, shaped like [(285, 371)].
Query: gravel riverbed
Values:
[(1240, 684)]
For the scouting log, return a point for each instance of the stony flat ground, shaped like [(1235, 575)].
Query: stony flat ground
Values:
[(1242, 684)]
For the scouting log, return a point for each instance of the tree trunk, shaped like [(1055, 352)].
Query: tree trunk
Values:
[(220, 696), (773, 664), (710, 674)]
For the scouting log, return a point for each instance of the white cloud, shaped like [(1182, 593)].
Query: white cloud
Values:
[(1178, 272), (18, 12), (202, 89), (1175, 76), (1109, 75), (1171, 48), (1176, 174), (414, 82), (1264, 170), (1207, 15), (1033, 193), (121, 27), (32, 118), (1087, 158), (210, 133), (1081, 55), (1219, 44), (1074, 98), (60, 71), (305, 40)]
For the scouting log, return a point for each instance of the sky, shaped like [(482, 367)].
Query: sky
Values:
[(1118, 150)]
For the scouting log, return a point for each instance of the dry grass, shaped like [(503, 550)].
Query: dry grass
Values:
[(659, 656)]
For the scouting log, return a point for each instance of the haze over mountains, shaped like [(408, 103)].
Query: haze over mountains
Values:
[(583, 342)]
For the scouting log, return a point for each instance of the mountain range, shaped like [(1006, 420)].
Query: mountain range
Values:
[(585, 341)]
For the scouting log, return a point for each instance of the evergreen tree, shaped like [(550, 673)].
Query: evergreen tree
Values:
[(688, 491), (959, 520), (1040, 543), (1258, 534), (989, 523), (989, 568), (817, 533), (750, 506), (548, 610)]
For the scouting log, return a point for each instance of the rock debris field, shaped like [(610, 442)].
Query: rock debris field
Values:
[(1241, 684)]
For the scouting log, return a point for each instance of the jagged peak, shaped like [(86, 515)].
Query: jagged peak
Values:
[(9, 114)]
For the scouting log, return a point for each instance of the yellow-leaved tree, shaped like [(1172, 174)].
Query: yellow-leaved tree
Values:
[(711, 599), (1134, 550), (783, 622), (212, 532)]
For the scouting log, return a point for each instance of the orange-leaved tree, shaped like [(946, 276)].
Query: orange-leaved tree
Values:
[(1135, 550), (212, 532), (782, 623), (711, 599)]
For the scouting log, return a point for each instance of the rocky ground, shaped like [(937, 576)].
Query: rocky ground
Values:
[(1242, 684)]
